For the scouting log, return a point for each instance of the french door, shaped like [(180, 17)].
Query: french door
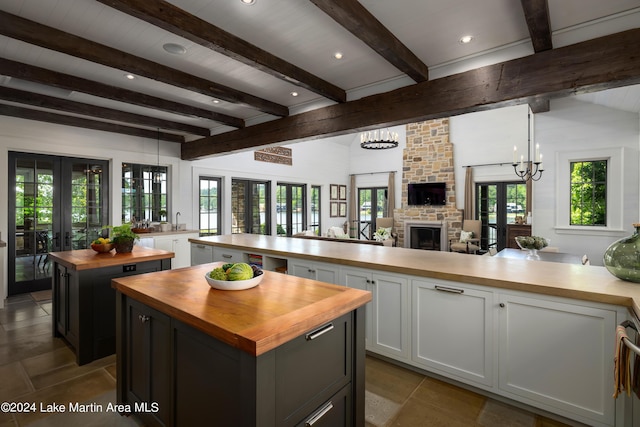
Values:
[(55, 204), (373, 204), (497, 205), (291, 211)]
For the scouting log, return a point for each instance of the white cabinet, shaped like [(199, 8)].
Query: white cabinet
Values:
[(178, 243), (228, 255), (387, 315), (328, 273), (558, 356), (201, 254), (452, 330)]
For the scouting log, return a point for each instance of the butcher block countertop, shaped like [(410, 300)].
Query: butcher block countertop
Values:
[(584, 282), (87, 259), (254, 320)]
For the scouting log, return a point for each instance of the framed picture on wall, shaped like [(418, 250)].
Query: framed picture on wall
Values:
[(333, 191), (343, 193), (333, 209), (342, 209)]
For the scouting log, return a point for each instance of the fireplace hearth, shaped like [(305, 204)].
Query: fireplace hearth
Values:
[(426, 235)]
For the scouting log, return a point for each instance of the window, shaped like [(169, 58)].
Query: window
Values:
[(618, 162), (250, 209), (315, 210), (144, 193), (588, 193), (209, 203), (291, 212)]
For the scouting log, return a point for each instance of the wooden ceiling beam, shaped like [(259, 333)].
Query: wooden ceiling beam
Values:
[(536, 13), (72, 83), (177, 21), (41, 35), (361, 23), (61, 119), (59, 104), (598, 64)]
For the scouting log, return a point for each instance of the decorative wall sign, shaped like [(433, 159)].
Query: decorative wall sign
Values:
[(279, 155)]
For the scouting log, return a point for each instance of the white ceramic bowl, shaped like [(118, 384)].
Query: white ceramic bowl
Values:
[(233, 285)]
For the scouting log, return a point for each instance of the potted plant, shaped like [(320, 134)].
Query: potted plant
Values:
[(123, 238)]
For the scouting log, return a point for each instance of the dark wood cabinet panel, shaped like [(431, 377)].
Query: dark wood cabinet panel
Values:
[(514, 230), (207, 381)]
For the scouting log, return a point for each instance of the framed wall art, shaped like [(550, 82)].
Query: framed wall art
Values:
[(342, 192), (333, 191), (342, 209), (333, 209)]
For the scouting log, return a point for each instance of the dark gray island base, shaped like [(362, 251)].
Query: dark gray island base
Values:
[(289, 352), (84, 301)]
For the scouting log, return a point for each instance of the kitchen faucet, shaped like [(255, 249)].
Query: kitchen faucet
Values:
[(177, 215)]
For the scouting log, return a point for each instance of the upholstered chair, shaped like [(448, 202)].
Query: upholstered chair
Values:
[(387, 222), (469, 241)]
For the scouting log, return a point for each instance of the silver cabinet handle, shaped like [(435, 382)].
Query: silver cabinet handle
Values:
[(200, 246), (227, 256), (450, 290), (321, 413), (143, 318), (320, 331)]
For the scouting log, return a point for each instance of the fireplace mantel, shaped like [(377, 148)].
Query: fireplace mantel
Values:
[(441, 225)]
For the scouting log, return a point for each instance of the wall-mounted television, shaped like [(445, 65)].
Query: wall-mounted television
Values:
[(427, 193)]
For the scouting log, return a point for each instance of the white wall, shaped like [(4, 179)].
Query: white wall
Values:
[(570, 126)]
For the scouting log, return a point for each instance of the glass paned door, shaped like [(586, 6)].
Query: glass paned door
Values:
[(55, 204), (498, 204), (373, 204), (290, 209)]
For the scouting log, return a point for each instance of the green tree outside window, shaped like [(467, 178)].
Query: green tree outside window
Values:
[(589, 193)]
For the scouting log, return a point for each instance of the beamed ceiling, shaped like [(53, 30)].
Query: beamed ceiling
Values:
[(231, 88)]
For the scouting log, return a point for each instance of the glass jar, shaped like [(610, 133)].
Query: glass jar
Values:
[(622, 258)]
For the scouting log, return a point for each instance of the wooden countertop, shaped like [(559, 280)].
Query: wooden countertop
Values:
[(87, 259), (590, 283), (255, 320)]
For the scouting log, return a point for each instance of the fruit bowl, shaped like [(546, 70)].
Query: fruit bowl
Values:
[(102, 247), (233, 285)]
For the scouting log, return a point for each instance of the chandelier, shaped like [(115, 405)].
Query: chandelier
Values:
[(529, 171), (378, 140)]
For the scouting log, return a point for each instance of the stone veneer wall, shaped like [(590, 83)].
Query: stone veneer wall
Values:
[(428, 157)]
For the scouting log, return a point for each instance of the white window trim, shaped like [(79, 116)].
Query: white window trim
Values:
[(615, 182)]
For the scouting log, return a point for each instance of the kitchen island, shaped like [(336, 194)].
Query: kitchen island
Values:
[(539, 333), (286, 352), (83, 300)]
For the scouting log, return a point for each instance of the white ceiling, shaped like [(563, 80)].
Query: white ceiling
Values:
[(300, 33)]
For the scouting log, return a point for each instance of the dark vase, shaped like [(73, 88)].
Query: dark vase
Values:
[(622, 258), (124, 246)]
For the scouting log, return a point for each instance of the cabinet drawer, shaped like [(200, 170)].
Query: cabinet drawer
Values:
[(313, 367), (228, 255), (335, 412)]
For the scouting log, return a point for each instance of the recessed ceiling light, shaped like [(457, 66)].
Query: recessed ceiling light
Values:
[(175, 48), (130, 76), (249, 2), (338, 55), (294, 93), (466, 39)]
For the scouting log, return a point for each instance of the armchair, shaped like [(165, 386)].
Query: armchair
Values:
[(468, 243), (387, 222)]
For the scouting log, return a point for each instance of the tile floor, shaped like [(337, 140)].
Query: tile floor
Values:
[(35, 367)]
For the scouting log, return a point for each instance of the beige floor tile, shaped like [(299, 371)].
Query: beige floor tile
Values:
[(79, 389), (28, 347), (42, 328), (14, 382), (496, 413), (21, 311), (68, 371), (390, 381)]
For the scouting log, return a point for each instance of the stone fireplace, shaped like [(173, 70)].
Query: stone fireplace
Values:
[(428, 157), (426, 235)]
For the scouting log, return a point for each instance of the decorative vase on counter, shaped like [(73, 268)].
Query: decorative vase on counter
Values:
[(622, 258)]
